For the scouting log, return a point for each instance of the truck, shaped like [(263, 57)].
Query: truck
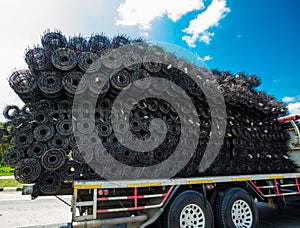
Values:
[(208, 201), (72, 92)]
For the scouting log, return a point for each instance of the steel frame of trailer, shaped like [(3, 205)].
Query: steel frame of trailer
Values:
[(266, 185)]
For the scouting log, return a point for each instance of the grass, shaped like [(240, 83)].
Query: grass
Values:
[(9, 183), (6, 171)]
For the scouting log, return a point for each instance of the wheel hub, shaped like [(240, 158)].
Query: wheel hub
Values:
[(241, 214), (192, 216)]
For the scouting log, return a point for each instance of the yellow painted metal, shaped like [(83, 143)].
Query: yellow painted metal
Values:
[(235, 179), (144, 185), (275, 177), (87, 186), (200, 182)]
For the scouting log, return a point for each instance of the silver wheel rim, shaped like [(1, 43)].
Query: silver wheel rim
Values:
[(192, 216), (241, 214)]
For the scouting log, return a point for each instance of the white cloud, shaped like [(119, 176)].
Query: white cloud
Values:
[(190, 40), (205, 58), (22, 23), (198, 27), (144, 34), (206, 37), (293, 104), (294, 108), (288, 99), (143, 12)]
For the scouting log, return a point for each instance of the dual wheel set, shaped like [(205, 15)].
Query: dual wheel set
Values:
[(227, 207)]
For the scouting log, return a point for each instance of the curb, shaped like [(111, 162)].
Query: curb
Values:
[(11, 189), (7, 177)]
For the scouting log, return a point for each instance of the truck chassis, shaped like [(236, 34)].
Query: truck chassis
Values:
[(141, 202)]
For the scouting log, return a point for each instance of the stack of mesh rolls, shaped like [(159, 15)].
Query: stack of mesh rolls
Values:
[(44, 149)]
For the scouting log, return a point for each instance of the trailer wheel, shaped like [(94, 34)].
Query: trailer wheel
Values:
[(236, 208), (216, 194), (189, 209), (281, 203)]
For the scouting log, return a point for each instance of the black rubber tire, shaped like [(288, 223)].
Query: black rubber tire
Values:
[(224, 203), (281, 203), (216, 194), (171, 217)]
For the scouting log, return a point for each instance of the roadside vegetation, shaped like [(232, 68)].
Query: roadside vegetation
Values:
[(4, 170), (9, 183)]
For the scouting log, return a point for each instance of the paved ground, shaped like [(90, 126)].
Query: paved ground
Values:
[(20, 211), (274, 218), (48, 212)]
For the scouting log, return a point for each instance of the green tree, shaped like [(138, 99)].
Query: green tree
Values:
[(3, 146)]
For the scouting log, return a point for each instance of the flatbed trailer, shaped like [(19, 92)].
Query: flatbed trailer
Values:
[(208, 201), (142, 202)]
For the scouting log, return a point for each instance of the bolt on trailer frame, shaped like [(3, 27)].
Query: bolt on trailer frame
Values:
[(96, 203)]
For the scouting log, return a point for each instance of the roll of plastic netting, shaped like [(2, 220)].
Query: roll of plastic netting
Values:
[(40, 117), (85, 126), (77, 43), (50, 83), (89, 62), (120, 80), (36, 150), (105, 104), (98, 43), (90, 174), (58, 141), (56, 116), (112, 59), (24, 84), (64, 127), (49, 182), (23, 139), (23, 124), (44, 105), (132, 61), (43, 133), (64, 106), (53, 40), (74, 82), (82, 153), (37, 59), (71, 170), (13, 155), (98, 84), (53, 159), (27, 170), (11, 112), (64, 59), (119, 41)]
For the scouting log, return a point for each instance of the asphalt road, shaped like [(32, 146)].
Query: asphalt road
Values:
[(20, 211), (48, 212), (274, 218)]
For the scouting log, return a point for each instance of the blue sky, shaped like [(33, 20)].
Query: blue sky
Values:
[(255, 36)]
